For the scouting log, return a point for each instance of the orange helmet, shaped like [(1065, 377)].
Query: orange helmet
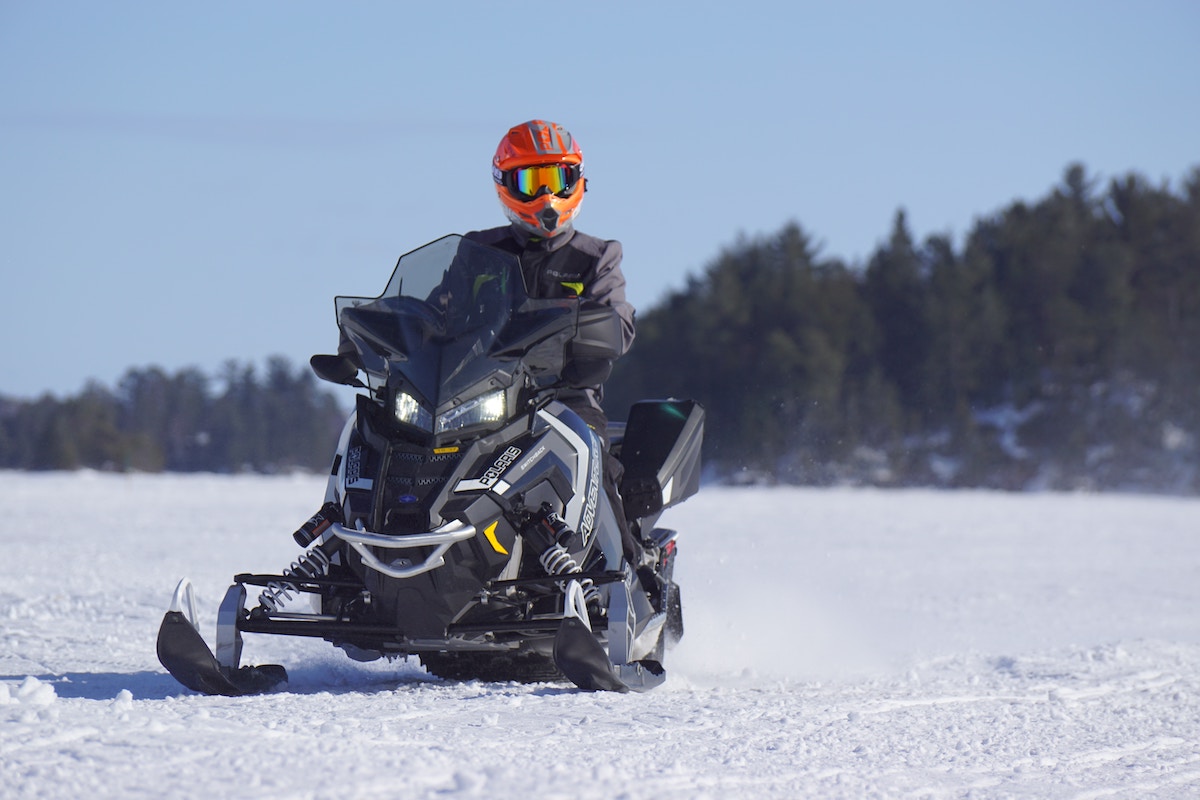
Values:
[(538, 170)]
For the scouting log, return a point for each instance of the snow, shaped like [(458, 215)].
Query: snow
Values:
[(842, 643)]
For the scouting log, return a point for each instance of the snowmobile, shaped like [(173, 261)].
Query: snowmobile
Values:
[(465, 521)]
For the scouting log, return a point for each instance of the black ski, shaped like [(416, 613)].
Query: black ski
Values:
[(580, 657), (183, 652)]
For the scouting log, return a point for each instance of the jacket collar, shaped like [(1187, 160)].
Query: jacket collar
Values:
[(528, 241)]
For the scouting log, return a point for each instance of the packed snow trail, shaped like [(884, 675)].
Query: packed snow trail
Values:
[(839, 643)]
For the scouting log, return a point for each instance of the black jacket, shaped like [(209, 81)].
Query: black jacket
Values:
[(571, 264)]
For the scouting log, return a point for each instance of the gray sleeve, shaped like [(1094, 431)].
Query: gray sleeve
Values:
[(608, 288)]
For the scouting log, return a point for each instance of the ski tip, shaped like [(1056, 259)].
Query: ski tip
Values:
[(183, 601)]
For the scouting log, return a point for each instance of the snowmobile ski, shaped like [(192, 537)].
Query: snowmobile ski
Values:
[(577, 653), (581, 658), (182, 650)]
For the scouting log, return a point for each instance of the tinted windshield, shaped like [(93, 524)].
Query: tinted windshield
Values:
[(453, 284), (438, 320)]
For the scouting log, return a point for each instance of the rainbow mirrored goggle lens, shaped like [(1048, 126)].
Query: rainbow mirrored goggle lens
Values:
[(529, 182)]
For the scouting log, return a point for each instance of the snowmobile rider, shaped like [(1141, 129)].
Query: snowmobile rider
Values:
[(538, 173)]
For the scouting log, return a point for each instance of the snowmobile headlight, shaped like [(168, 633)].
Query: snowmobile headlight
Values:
[(486, 409), (410, 412)]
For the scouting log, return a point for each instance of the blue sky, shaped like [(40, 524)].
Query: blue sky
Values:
[(183, 184)]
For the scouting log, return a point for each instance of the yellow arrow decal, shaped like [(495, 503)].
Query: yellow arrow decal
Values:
[(490, 533)]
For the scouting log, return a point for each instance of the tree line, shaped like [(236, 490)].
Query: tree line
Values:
[(1059, 346), (184, 422)]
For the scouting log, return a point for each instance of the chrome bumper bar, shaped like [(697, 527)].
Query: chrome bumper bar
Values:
[(441, 539)]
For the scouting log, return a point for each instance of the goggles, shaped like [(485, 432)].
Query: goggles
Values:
[(527, 183)]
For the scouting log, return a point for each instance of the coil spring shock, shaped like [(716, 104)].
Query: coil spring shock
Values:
[(557, 561), (312, 564)]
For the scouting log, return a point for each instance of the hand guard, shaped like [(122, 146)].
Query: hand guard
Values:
[(597, 344)]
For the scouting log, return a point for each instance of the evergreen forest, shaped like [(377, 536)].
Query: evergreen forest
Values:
[(1056, 346), (280, 420)]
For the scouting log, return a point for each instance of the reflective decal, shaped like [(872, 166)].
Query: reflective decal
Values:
[(490, 533), (588, 520)]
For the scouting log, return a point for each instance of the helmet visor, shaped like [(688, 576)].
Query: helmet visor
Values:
[(527, 183)]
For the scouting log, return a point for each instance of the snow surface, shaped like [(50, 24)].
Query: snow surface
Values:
[(840, 643)]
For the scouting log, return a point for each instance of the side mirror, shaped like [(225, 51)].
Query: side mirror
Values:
[(336, 369)]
